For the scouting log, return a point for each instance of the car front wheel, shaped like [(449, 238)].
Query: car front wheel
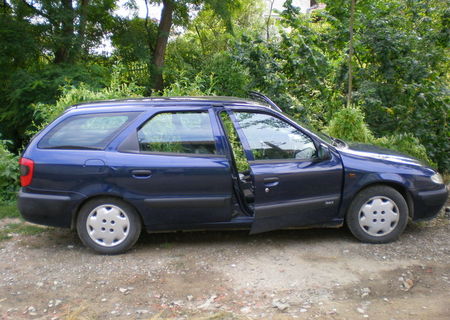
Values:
[(378, 214), (108, 225)]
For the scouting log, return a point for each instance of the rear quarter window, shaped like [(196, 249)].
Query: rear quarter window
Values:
[(88, 131)]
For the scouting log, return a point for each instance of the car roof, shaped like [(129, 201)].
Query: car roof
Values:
[(171, 102)]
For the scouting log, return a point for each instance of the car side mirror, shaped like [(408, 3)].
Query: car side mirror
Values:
[(323, 153)]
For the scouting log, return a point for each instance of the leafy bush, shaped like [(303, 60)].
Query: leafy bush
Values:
[(218, 74), (405, 143), (199, 86), (400, 77), (349, 124), (41, 84), (240, 159), (71, 95), (9, 174)]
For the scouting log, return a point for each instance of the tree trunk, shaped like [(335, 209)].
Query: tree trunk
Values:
[(83, 10), (350, 54), (64, 52), (157, 62)]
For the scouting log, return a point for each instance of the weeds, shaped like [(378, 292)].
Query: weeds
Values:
[(19, 228), (9, 210)]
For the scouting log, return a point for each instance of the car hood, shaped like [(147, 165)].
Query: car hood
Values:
[(378, 153)]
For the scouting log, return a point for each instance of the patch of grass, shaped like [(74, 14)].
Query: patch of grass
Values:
[(4, 236), (20, 228), (25, 229), (9, 210), (167, 245)]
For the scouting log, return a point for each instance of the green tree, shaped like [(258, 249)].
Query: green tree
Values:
[(400, 67), (68, 28), (177, 13)]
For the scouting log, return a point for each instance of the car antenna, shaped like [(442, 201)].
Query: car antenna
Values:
[(261, 97)]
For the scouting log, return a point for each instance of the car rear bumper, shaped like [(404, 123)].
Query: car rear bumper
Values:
[(47, 209), (427, 204)]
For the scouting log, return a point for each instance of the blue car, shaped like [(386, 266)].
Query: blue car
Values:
[(109, 169)]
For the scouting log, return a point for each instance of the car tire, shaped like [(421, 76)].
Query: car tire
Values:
[(108, 225), (378, 214)]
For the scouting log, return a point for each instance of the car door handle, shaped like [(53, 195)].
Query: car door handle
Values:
[(141, 174), (271, 181)]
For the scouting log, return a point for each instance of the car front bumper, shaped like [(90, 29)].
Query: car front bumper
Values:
[(427, 204)]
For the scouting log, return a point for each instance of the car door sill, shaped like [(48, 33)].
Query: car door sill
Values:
[(238, 223)]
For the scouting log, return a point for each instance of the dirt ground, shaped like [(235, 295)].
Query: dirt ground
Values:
[(304, 274)]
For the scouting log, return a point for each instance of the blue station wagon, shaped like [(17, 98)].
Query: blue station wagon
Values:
[(109, 169)]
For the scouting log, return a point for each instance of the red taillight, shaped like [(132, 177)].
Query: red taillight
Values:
[(26, 171)]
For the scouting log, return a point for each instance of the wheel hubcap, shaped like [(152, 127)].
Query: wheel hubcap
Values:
[(108, 225), (378, 216)]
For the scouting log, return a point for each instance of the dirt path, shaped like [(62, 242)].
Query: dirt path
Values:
[(305, 274)]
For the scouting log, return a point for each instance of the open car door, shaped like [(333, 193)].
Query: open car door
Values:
[(295, 183)]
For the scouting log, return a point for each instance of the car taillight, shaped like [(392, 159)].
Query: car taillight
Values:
[(26, 171)]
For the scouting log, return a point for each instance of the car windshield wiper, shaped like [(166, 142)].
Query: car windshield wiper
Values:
[(73, 147)]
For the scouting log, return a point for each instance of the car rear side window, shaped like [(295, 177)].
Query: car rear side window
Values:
[(89, 131), (178, 132)]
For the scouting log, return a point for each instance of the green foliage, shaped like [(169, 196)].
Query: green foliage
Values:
[(200, 86), (66, 30), (348, 124), (401, 77), (294, 68), (204, 50), (20, 228), (50, 58), (8, 209), (405, 143), (71, 95), (39, 85), (134, 39), (238, 151), (18, 44), (400, 69), (218, 73), (9, 172)]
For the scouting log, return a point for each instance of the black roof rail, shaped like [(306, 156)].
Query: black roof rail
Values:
[(261, 97)]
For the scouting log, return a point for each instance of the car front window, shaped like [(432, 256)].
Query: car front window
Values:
[(271, 138)]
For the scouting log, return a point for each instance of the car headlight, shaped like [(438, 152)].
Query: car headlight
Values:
[(437, 178)]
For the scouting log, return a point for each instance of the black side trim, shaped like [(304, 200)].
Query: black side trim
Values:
[(197, 202), (43, 196), (310, 203)]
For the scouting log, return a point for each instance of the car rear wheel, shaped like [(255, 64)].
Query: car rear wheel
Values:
[(108, 225), (378, 214)]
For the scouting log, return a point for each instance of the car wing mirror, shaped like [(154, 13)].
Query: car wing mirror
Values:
[(323, 153)]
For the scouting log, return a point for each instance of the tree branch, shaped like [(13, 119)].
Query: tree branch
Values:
[(268, 21), (39, 12)]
